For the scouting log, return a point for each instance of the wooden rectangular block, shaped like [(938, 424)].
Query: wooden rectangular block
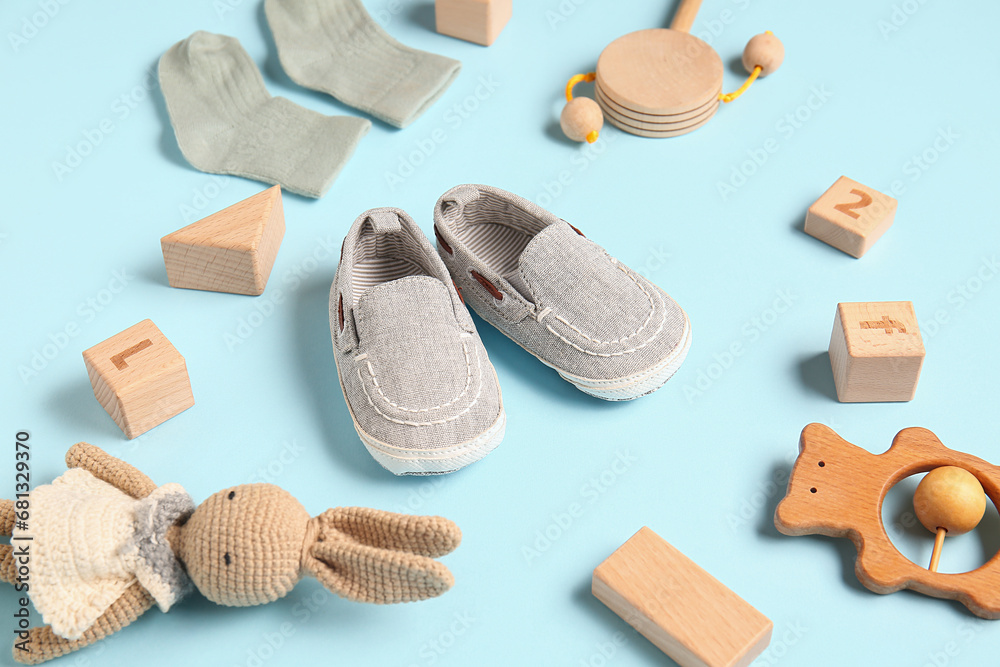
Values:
[(139, 378), (876, 352), (229, 251), (850, 216), (478, 21), (686, 612)]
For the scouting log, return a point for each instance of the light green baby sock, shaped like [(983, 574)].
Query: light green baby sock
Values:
[(335, 46), (227, 123)]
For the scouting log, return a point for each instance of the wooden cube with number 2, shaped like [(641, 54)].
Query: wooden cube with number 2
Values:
[(850, 216)]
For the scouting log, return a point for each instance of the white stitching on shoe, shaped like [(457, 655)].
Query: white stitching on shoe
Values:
[(427, 423), (680, 351), (541, 316), (612, 354), (468, 383), (652, 309)]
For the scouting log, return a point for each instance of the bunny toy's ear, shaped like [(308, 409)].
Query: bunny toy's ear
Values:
[(369, 555)]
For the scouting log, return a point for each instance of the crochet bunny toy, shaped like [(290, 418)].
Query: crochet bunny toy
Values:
[(103, 544)]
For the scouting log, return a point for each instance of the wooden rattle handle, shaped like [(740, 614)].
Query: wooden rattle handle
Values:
[(685, 15)]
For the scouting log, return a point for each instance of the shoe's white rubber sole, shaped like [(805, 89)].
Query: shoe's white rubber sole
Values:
[(639, 384), (404, 461), (437, 461)]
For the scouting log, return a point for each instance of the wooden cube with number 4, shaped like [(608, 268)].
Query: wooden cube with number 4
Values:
[(850, 216), (876, 352)]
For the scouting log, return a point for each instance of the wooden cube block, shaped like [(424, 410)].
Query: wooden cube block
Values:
[(850, 216), (478, 21), (229, 251), (139, 378), (678, 606), (876, 352)]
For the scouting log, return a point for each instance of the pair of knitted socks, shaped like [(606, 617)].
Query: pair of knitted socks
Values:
[(227, 123)]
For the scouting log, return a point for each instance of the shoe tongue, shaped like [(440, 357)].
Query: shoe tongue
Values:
[(545, 256), (561, 269), (553, 235), (402, 308)]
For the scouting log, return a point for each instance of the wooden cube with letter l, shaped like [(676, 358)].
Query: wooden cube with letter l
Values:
[(139, 378), (850, 216)]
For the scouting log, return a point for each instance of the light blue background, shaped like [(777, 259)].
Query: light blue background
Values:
[(705, 471)]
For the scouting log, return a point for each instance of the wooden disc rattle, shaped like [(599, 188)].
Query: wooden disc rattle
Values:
[(837, 489), (661, 82)]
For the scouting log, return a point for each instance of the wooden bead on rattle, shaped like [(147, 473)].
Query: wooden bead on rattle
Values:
[(949, 501), (582, 120), (765, 51)]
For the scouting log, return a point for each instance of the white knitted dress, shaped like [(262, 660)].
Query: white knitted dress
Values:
[(90, 541)]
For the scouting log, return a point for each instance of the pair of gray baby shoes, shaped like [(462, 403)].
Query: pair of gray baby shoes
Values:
[(420, 387)]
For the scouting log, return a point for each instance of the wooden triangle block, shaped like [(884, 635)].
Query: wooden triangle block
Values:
[(229, 251)]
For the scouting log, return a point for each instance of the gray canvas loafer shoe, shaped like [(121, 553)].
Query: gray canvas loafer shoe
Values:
[(560, 296), (422, 392)]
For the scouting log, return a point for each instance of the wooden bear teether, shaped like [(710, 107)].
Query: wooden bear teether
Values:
[(837, 489)]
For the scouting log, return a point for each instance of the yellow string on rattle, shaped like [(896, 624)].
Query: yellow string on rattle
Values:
[(763, 54), (579, 78), (729, 97)]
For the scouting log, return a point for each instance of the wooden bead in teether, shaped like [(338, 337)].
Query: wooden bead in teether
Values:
[(948, 501), (764, 50), (951, 498), (582, 120)]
